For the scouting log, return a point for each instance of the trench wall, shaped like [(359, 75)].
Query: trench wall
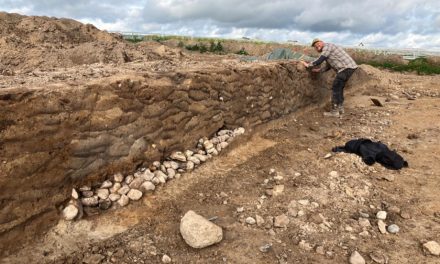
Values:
[(55, 138)]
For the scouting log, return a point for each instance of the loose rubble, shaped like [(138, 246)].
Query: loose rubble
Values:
[(121, 189), (199, 232)]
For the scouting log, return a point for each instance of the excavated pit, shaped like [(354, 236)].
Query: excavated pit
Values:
[(58, 135)]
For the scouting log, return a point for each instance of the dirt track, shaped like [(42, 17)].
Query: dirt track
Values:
[(295, 147)]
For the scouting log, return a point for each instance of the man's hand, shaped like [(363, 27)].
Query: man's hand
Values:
[(306, 64)]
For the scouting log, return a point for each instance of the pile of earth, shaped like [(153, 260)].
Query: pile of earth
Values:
[(31, 42)]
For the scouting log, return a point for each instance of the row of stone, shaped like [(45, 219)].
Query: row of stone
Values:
[(121, 189)]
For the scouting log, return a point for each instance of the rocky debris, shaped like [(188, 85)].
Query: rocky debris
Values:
[(124, 200), (70, 212), (134, 194), (260, 220), (305, 245), (265, 248), (356, 258), (393, 229), (281, 221), (432, 247), (382, 215), (364, 222), (250, 220), (166, 259), (382, 226), (199, 232), (122, 189), (277, 190)]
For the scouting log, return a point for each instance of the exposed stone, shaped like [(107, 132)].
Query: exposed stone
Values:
[(363, 222), (124, 190), (136, 183), (90, 201), (250, 220), (162, 177), (115, 187), (223, 145), (382, 226), (281, 221), (208, 145), (260, 220), (382, 215), (305, 246), (147, 175), (189, 165), (134, 194), (379, 257), (194, 160), (147, 187), (179, 156), (70, 212), (87, 194), (277, 190), (198, 232), (432, 247), (333, 174), (166, 259), (124, 200), (118, 177), (75, 194), (188, 153), (105, 204), (265, 248), (102, 193), (106, 184), (114, 197), (171, 173), (393, 229), (85, 188), (129, 179), (304, 202), (356, 258), (238, 131)]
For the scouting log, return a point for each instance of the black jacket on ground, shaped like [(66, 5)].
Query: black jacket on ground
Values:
[(373, 152)]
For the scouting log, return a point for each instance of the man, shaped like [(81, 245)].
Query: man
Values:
[(342, 63)]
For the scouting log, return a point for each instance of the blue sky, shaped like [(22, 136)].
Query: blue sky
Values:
[(376, 23)]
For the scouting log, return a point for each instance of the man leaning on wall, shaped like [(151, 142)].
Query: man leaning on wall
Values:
[(336, 58)]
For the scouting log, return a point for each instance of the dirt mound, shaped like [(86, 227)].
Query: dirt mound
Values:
[(29, 42)]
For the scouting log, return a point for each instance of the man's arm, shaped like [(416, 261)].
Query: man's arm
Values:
[(318, 61)]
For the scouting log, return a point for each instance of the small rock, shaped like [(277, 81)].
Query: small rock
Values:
[(70, 212), (405, 215), (208, 144), (333, 174), (393, 229), (194, 160), (382, 215), (382, 226), (124, 190), (281, 221), (265, 248), (432, 247), (363, 222), (106, 184), (190, 165), (114, 197), (198, 232), (304, 202), (304, 245), (250, 220), (118, 177), (166, 259), (85, 188), (115, 187), (124, 200), (87, 194), (179, 156), (320, 250), (278, 178), (171, 173), (134, 194), (102, 193), (156, 164), (148, 175), (240, 209), (356, 258), (277, 190), (260, 220), (105, 204), (201, 157), (147, 187), (136, 183), (379, 257), (129, 179), (364, 215), (75, 194), (162, 177), (327, 156), (91, 201)]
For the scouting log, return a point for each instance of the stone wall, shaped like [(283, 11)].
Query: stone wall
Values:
[(56, 137)]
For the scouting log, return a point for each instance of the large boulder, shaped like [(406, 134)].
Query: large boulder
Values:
[(199, 232)]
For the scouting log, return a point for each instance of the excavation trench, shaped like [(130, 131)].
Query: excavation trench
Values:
[(59, 136)]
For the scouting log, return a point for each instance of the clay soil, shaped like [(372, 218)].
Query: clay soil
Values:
[(294, 146)]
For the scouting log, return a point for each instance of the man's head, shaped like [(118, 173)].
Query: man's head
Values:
[(318, 44)]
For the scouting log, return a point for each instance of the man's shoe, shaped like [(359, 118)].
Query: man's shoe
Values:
[(341, 109), (333, 113)]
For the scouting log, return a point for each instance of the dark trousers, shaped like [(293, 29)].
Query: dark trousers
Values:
[(339, 84)]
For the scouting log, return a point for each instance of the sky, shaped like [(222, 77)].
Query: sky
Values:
[(375, 23)]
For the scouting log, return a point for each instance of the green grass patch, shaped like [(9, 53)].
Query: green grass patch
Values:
[(419, 65)]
